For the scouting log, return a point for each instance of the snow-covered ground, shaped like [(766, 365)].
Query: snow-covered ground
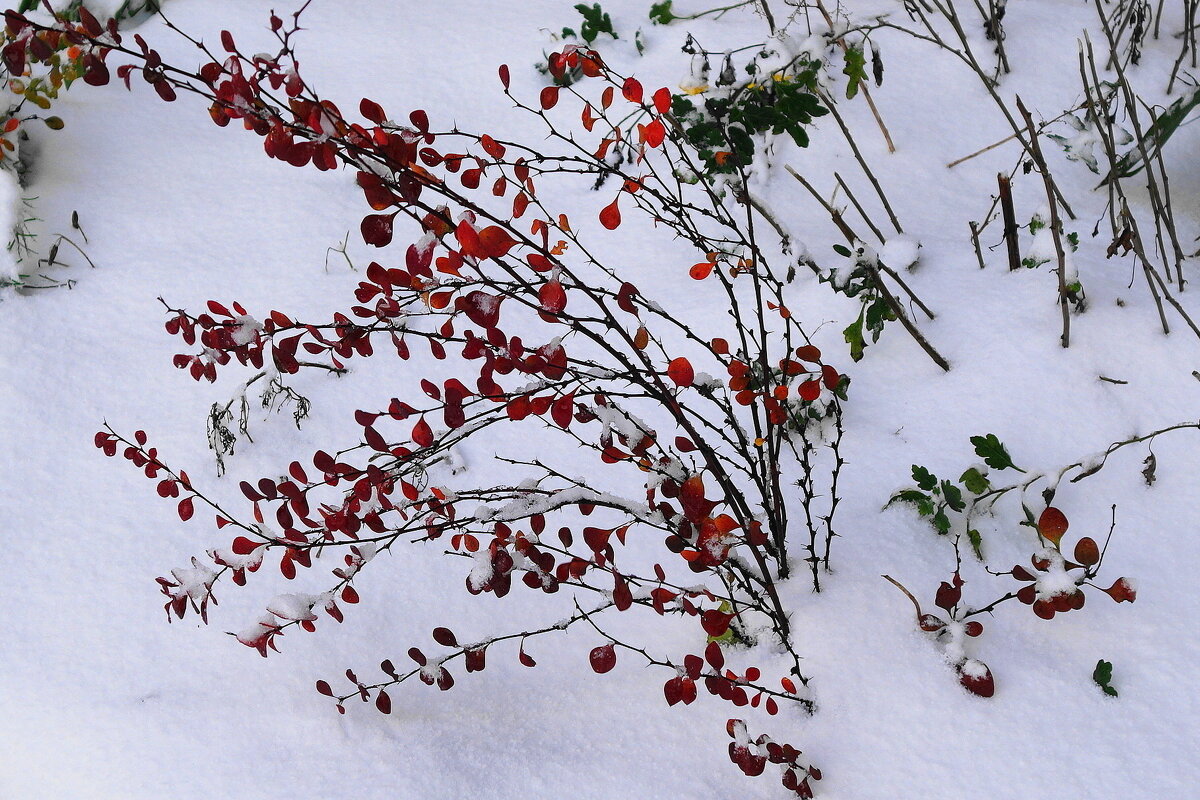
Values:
[(101, 698)]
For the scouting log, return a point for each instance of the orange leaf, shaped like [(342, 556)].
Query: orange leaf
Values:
[(701, 271), (1122, 591), (495, 241)]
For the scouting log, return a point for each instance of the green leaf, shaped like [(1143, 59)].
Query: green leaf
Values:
[(911, 496), (993, 453), (923, 478), (1155, 137), (854, 337), (595, 22), (941, 522), (953, 496), (974, 480), (976, 540), (855, 69), (1102, 675), (660, 13), (842, 250)]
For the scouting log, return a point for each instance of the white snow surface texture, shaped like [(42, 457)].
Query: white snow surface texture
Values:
[(101, 698)]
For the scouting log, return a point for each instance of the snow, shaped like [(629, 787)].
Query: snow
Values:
[(10, 208), (900, 252), (103, 698)]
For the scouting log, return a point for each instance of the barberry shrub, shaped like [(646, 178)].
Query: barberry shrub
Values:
[(728, 425)]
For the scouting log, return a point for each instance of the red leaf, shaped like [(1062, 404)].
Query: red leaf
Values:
[(383, 702), (830, 376), (610, 215), (445, 637), (243, 546), (323, 688), (1052, 524), (808, 353), (714, 656), (715, 623), (701, 271), (622, 596), (491, 146), (549, 97), (350, 595), (525, 658), (186, 509), (422, 434), (632, 90), (810, 390), (563, 410), (662, 100), (371, 110), (603, 658), (552, 297), (654, 133), (504, 76), (680, 371)]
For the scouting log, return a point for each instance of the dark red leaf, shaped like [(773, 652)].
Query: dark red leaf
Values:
[(603, 658), (377, 229), (977, 678)]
